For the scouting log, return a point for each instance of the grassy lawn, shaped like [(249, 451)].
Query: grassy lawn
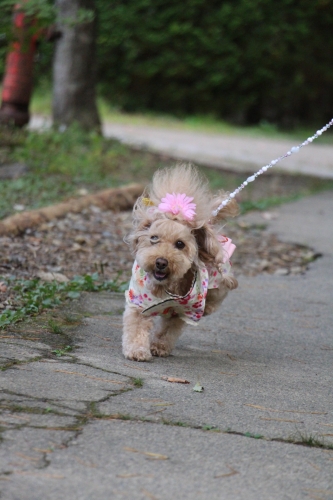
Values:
[(61, 164)]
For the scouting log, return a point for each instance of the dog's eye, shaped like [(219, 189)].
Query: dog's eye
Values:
[(180, 245), (154, 239)]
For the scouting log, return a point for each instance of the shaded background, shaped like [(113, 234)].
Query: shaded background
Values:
[(246, 61)]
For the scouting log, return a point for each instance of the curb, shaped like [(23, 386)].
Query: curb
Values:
[(122, 198)]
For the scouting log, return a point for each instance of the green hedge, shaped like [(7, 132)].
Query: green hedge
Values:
[(245, 60)]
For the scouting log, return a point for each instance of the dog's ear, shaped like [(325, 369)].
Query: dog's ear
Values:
[(144, 225), (209, 248), (141, 230), (210, 251)]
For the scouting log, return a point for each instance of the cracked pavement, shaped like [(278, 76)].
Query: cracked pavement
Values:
[(90, 424)]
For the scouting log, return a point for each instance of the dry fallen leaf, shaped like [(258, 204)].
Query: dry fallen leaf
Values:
[(176, 380), (198, 388), (3, 287)]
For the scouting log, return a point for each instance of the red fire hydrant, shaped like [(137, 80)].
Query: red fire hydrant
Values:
[(17, 83)]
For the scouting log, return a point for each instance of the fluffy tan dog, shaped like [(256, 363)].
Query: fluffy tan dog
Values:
[(182, 269)]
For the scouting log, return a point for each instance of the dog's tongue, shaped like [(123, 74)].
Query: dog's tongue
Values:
[(159, 274)]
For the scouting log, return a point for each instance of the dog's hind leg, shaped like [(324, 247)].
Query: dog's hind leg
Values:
[(166, 336), (136, 334)]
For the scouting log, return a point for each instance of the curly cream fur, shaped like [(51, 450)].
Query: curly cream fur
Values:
[(153, 238)]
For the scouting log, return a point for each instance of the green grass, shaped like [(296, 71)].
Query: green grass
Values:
[(63, 351), (41, 101), (253, 436), (138, 382), (55, 328), (310, 440), (60, 164), (267, 203), (33, 296)]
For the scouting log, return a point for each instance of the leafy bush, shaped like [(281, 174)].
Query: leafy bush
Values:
[(43, 13), (247, 60)]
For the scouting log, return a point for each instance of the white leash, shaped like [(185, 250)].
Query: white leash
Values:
[(295, 149)]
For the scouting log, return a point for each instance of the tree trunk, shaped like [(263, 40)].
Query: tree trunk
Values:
[(74, 98)]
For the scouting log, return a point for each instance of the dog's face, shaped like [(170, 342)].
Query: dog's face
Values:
[(166, 251)]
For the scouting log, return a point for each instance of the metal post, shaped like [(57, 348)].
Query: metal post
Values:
[(17, 83)]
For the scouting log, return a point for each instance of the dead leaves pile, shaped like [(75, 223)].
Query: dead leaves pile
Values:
[(79, 244), (92, 241)]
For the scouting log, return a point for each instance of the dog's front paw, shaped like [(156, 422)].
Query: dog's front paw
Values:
[(138, 354), (160, 349)]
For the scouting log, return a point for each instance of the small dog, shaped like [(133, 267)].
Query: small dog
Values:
[(182, 269)]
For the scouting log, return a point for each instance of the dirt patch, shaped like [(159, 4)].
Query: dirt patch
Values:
[(92, 241)]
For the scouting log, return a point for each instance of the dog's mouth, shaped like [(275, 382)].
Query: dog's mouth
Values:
[(160, 275)]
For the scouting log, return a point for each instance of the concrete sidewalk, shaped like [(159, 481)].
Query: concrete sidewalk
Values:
[(237, 153), (81, 427)]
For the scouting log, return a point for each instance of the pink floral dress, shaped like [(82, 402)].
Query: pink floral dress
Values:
[(190, 307)]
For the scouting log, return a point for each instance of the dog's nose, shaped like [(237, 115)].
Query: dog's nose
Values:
[(161, 264)]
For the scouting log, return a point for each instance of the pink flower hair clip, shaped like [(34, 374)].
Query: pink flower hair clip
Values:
[(178, 204)]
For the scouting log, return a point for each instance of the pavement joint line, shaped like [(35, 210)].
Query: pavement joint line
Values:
[(93, 414), (32, 410), (81, 363), (16, 362)]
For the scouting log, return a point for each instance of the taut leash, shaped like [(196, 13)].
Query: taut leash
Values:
[(293, 150)]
